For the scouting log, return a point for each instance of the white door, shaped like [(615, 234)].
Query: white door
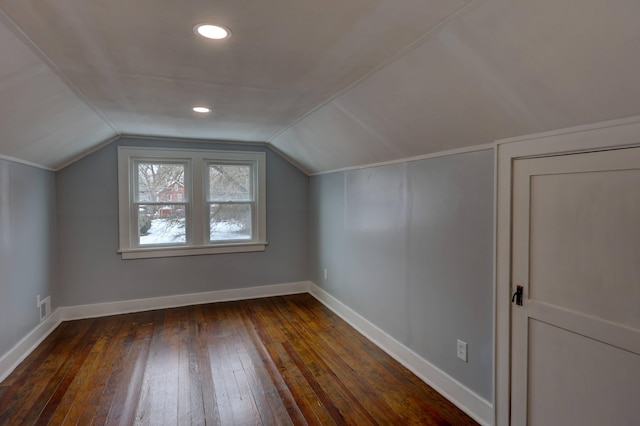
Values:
[(576, 254)]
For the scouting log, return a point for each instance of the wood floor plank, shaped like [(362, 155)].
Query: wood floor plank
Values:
[(306, 401), (282, 400), (345, 357), (341, 376), (203, 334), (57, 340), (274, 361), (340, 403), (158, 403), (196, 413), (217, 357), (249, 373), (389, 377), (134, 328), (38, 376), (95, 371), (243, 405), (272, 330), (61, 400), (81, 392), (126, 399)]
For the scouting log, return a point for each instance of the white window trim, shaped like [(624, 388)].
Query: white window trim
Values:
[(197, 243)]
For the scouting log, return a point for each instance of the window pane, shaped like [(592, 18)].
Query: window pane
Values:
[(230, 222), (161, 224), (160, 181), (230, 182)]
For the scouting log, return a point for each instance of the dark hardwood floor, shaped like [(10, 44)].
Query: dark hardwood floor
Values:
[(281, 360)]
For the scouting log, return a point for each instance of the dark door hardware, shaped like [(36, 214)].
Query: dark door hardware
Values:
[(517, 296)]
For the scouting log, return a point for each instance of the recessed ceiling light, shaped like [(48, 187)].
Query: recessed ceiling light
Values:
[(201, 109), (213, 32)]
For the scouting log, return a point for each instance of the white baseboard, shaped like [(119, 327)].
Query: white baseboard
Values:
[(468, 401), (10, 360), (140, 305), (464, 398)]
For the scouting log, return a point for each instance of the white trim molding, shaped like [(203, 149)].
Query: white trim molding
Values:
[(26, 163), (195, 204), (464, 398), (615, 134), (141, 305), (456, 151), (87, 153), (11, 359), (468, 401)]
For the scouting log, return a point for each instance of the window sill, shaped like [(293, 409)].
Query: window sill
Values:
[(148, 253)]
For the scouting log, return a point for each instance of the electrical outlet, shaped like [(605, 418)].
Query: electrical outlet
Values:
[(462, 350), (325, 274)]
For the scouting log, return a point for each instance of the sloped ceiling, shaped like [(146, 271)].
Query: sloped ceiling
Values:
[(331, 83), (41, 119)]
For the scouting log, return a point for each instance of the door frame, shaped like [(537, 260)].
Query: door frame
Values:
[(624, 133)]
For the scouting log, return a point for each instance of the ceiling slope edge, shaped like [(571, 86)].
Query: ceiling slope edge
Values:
[(273, 148), (26, 163), (484, 77), (24, 38), (413, 45), (449, 152), (48, 121), (87, 152), (101, 145)]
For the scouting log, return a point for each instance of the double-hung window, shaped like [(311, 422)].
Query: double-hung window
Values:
[(175, 202)]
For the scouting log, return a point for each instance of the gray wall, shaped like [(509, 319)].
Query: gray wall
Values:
[(92, 272), (410, 247), (27, 248)]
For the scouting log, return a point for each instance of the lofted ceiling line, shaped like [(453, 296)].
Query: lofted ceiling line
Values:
[(22, 36), (460, 11), (286, 157), (183, 139), (277, 151), (26, 163), (456, 151), (335, 85), (87, 153)]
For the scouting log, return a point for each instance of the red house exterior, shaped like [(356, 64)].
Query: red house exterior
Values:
[(171, 194)]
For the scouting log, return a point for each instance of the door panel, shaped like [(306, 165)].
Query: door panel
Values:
[(574, 379), (578, 239), (576, 252)]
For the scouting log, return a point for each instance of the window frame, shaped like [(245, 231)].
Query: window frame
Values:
[(195, 199), (208, 202)]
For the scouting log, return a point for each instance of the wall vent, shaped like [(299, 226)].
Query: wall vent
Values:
[(44, 307)]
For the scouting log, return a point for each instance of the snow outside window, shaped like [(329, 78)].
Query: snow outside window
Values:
[(175, 202)]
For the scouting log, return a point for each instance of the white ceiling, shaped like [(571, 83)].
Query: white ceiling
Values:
[(330, 83)]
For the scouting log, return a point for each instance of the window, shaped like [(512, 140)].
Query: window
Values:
[(174, 202)]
